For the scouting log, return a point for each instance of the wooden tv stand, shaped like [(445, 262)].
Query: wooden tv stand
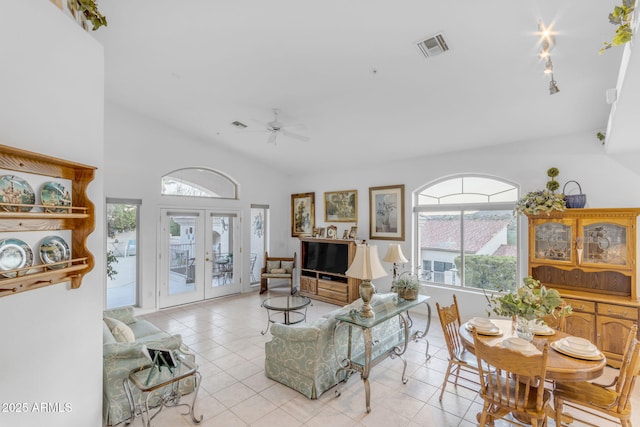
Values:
[(325, 286)]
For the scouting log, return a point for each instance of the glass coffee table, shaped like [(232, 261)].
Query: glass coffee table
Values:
[(291, 309)]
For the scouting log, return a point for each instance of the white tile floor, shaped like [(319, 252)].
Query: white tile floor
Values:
[(225, 335)]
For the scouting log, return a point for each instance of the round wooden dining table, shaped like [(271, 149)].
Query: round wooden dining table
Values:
[(560, 367)]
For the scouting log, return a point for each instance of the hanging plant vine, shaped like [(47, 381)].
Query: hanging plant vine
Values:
[(621, 16)]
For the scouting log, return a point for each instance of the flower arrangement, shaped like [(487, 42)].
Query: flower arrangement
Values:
[(531, 301), (543, 201)]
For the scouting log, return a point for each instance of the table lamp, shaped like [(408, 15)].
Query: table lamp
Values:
[(395, 255), (366, 266)]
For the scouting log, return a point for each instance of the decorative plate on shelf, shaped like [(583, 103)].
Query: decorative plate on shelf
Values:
[(14, 254), (54, 194), (54, 249), (17, 191)]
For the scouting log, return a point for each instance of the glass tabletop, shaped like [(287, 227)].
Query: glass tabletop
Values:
[(149, 377), (384, 307), (287, 303)]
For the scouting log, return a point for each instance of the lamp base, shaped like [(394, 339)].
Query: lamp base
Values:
[(366, 293)]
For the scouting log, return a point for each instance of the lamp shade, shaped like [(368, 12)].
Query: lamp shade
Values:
[(366, 264), (394, 254)]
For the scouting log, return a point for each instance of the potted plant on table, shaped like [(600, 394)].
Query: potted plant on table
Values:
[(407, 286), (527, 305)]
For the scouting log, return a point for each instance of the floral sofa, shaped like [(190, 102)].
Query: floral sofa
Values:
[(305, 356), (121, 356)]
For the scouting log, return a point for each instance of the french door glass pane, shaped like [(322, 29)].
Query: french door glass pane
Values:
[(122, 254), (182, 253), (222, 228)]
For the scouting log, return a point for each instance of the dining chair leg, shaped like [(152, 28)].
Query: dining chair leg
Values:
[(446, 378), (557, 406)]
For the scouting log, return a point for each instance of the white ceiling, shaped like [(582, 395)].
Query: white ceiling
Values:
[(349, 71)]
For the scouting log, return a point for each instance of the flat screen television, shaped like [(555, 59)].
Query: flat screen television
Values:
[(327, 257)]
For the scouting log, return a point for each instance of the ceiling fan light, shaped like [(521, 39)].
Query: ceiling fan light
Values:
[(548, 66)]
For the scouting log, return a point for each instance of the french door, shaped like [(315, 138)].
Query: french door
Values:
[(199, 255)]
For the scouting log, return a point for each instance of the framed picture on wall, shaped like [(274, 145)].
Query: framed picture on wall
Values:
[(386, 212), (303, 214), (341, 206)]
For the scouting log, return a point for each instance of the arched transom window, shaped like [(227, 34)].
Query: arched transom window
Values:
[(199, 182), (466, 232)]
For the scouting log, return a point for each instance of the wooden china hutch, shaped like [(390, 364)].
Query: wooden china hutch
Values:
[(589, 255)]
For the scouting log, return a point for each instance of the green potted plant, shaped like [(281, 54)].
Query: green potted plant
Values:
[(543, 201), (621, 16), (407, 286)]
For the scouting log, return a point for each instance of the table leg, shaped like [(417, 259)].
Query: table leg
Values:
[(368, 343), (421, 334), (268, 322)]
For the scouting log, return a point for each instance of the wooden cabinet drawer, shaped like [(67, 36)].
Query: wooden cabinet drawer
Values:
[(581, 305), (327, 285), (618, 310)]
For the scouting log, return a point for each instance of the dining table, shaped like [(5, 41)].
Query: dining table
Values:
[(560, 367)]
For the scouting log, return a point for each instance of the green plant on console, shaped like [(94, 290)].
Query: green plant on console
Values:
[(407, 286), (621, 16)]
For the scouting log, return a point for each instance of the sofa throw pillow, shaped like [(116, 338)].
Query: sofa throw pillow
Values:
[(278, 271), (121, 332), (288, 266), (271, 265)]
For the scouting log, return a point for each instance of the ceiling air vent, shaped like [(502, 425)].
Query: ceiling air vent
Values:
[(434, 45), (239, 124)]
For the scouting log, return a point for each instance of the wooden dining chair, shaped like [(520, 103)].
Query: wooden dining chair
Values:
[(612, 400), (460, 360), (512, 383)]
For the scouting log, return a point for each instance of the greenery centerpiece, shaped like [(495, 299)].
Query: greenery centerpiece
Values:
[(527, 304), (543, 201), (407, 286)]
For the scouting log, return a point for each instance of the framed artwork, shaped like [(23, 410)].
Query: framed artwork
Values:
[(341, 206), (321, 231), (332, 232), (386, 212), (345, 235), (303, 214), (353, 233)]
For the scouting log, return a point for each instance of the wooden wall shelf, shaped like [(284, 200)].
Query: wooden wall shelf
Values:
[(79, 219)]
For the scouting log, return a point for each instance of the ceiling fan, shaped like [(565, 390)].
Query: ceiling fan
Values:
[(277, 128)]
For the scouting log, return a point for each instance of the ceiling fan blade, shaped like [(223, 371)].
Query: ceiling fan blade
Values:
[(295, 135), (272, 138)]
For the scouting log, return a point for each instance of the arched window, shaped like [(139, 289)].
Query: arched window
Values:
[(466, 232), (199, 182)]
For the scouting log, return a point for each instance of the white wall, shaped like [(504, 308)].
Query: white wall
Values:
[(139, 151), (606, 180), (51, 81)]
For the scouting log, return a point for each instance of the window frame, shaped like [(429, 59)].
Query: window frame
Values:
[(460, 209)]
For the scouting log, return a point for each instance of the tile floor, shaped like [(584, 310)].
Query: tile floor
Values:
[(225, 335)]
